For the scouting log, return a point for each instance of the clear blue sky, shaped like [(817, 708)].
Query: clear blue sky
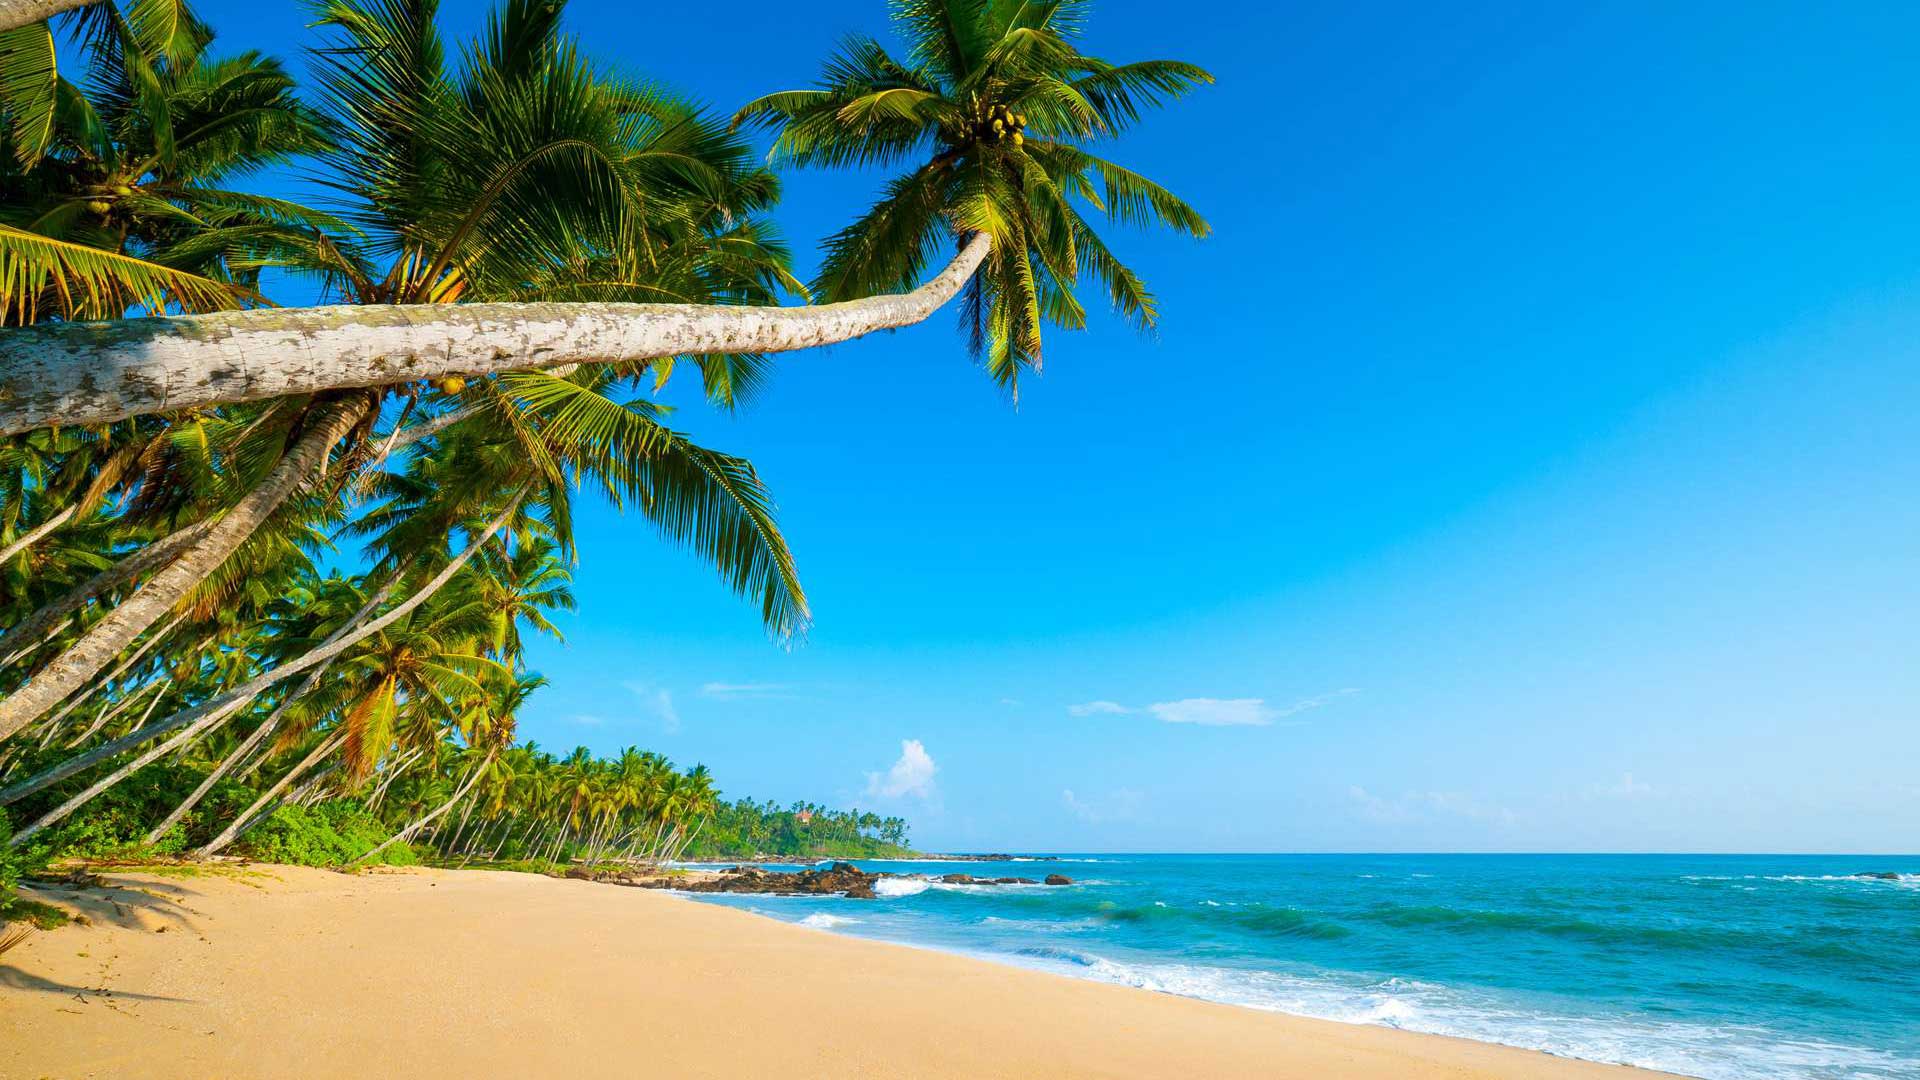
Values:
[(1534, 440)]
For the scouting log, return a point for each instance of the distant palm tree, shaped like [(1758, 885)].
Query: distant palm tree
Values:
[(994, 109)]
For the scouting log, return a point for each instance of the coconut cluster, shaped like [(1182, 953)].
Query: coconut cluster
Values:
[(1003, 123)]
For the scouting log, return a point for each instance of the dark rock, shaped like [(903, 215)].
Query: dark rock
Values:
[(959, 879), (841, 877), (1059, 879), (1014, 881), (1878, 875)]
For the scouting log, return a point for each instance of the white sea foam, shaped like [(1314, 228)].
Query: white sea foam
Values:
[(820, 920), (899, 886), (1711, 1052)]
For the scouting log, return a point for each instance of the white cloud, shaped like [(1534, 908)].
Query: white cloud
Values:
[(731, 691), (1626, 788), (1097, 708), (588, 719), (659, 701), (1309, 704), (1427, 805), (1123, 804), (911, 775), (1214, 712)]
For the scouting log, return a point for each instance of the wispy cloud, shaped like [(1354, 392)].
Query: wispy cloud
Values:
[(1312, 703), (588, 719), (1624, 788), (911, 774), (1122, 804), (657, 700), (1213, 712), (736, 691), (1417, 806)]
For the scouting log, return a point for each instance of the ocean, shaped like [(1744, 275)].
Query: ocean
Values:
[(1724, 967)]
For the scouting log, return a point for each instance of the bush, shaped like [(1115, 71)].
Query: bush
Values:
[(331, 833), (16, 863)]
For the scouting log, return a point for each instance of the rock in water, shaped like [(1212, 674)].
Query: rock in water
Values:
[(1059, 879)]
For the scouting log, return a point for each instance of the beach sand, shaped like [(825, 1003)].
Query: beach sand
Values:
[(279, 971)]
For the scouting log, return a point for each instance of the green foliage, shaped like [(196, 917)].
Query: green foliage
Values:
[(992, 111), (17, 863), (332, 833)]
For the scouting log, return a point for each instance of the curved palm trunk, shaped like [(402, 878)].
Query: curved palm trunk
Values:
[(272, 722), (408, 832), (34, 534), (59, 813), (152, 639), (95, 372), (253, 687), (156, 554), (252, 814), (167, 588)]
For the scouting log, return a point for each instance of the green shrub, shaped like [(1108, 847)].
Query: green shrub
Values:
[(327, 834), (16, 863)]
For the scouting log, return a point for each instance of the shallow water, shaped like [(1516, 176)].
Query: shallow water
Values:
[(1725, 967)]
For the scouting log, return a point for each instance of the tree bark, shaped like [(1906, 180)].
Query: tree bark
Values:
[(152, 639), (97, 372), (131, 566), (129, 619), (34, 534), (253, 687), (18, 13)]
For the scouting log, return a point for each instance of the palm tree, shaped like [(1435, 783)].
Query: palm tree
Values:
[(994, 111), (524, 175), (113, 193)]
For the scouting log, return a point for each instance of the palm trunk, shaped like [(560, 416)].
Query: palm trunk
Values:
[(152, 640), (244, 821), (392, 774), (255, 686), (16, 13), (156, 554), (407, 832), (272, 722), (95, 373), (34, 534), (133, 616), (59, 813)]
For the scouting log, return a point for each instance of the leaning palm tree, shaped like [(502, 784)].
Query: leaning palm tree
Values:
[(524, 175)]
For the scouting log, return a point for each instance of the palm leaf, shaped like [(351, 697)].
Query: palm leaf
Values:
[(29, 79), (79, 282)]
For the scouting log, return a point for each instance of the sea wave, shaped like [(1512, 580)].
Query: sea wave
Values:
[(893, 887), (821, 920), (1711, 1052)]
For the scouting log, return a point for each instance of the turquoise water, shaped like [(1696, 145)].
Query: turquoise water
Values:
[(1726, 967)]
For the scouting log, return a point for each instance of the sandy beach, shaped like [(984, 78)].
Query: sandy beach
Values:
[(278, 971)]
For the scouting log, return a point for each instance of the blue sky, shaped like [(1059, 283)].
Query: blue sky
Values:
[(1528, 462)]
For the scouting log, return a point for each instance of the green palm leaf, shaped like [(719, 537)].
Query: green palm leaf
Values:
[(40, 276)]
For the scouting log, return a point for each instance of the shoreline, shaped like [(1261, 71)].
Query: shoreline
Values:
[(285, 971)]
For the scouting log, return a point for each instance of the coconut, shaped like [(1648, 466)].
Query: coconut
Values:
[(451, 384)]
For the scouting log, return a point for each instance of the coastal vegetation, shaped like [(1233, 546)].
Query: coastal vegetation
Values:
[(280, 603)]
